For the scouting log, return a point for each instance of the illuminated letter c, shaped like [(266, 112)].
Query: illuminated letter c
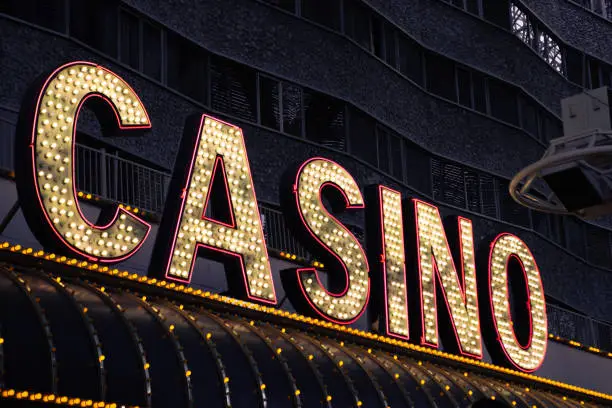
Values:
[(46, 174)]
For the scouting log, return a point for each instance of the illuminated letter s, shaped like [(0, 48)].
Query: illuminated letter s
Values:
[(349, 291), (46, 174)]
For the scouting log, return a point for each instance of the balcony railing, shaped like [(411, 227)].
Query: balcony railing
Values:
[(120, 180)]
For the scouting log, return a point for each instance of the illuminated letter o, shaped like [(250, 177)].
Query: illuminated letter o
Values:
[(503, 344)]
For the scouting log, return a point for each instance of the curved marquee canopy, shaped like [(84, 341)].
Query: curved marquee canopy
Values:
[(76, 338)]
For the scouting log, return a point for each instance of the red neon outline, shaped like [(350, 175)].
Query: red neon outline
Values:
[(300, 271), (384, 261), (219, 160), (32, 146), (199, 245), (437, 276), (490, 289)]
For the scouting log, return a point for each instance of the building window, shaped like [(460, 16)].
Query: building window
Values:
[(384, 41), (357, 22), (536, 37), (324, 117), (464, 87), (550, 50), (391, 36), (382, 139), (390, 152), (480, 92), (45, 13), (324, 12), (448, 183), (497, 12), (510, 210), (269, 103), (233, 89), (129, 39), (598, 245), (489, 194), (440, 76), (574, 236), (474, 7), (417, 162), (94, 22), (152, 50), (378, 37), (288, 5), (140, 44), (602, 7), (362, 136), (410, 59), (395, 144), (472, 190), (186, 68), (574, 65), (503, 102), (529, 115), (594, 73), (521, 26), (550, 127), (606, 73), (293, 109), (280, 106)]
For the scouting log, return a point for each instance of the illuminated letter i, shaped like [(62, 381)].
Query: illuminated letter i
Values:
[(385, 231)]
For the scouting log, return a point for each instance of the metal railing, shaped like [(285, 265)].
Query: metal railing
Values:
[(277, 234), (100, 173), (120, 180)]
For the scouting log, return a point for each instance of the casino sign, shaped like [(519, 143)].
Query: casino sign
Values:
[(444, 297)]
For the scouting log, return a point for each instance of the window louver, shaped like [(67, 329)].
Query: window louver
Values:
[(472, 191), (233, 89), (448, 183), (489, 192), (510, 210)]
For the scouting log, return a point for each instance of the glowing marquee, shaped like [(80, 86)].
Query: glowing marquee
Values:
[(412, 278)]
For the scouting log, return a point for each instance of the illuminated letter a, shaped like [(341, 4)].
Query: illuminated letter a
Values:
[(212, 206)]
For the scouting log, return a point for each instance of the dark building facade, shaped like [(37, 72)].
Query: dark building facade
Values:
[(443, 101)]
